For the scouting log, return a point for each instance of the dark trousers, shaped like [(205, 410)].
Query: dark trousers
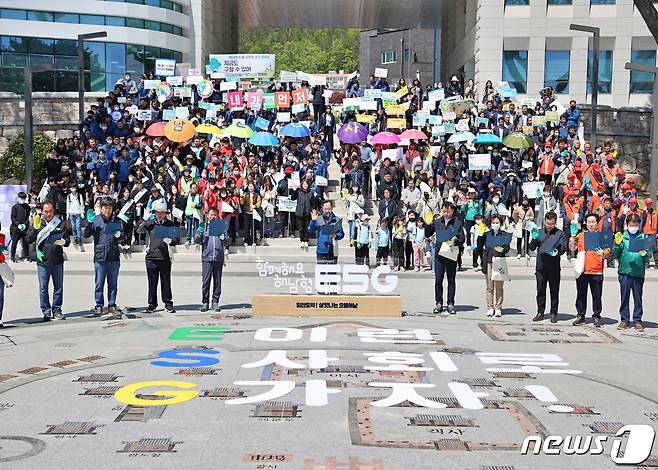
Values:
[(398, 252), (302, 225), (552, 278), (288, 220), (408, 254), (360, 253), (522, 243), (251, 227), (211, 270), (468, 225), (444, 267), (159, 270), (635, 285), (595, 284), (16, 236), (382, 255)]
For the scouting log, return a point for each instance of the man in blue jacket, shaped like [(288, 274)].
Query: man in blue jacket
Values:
[(108, 233), (330, 230), (212, 262)]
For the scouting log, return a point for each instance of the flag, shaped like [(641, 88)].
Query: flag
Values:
[(226, 208), (257, 216)]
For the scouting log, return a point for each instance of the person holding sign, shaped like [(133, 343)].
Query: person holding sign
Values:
[(552, 244), (161, 233), (211, 238), (108, 232), (330, 230), (495, 244), (50, 236), (591, 249), (632, 250), (449, 234)]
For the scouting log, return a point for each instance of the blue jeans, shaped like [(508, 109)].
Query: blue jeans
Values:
[(46, 273), (76, 226), (2, 296), (192, 224), (631, 284), (106, 270)]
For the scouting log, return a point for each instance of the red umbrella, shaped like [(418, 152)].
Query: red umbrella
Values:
[(413, 134), (157, 129), (385, 138)]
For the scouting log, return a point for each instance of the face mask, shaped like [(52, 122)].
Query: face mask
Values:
[(524, 204), (496, 200), (21, 200), (633, 230), (547, 195), (495, 227), (74, 190), (261, 154)]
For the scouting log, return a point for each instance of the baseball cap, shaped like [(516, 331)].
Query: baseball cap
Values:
[(160, 207)]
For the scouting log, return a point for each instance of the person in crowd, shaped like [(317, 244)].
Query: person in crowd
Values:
[(361, 239), (383, 237), (399, 236), (6, 275), (329, 230), (631, 271), (75, 210), (20, 219), (522, 216), (489, 252), (551, 243), (450, 227), (50, 235), (212, 262), (108, 233), (306, 203), (419, 243), (158, 258)]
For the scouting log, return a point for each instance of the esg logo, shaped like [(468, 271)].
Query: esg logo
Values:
[(354, 279), (638, 445)]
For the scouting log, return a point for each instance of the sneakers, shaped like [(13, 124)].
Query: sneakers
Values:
[(150, 309), (622, 326), (2, 325), (216, 307), (538, 317), (204, 307), (96, 311), (519, 256), (170, 309), (59, 316), (46, 318), (498, 313), (451, 310), (597, 322), (490, 312), (580, 320), (554, 318), (302, 245), (417, 269), (188, 243), (639, 327), (438, 308), (527, 256)]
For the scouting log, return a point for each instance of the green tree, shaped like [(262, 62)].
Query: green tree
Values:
[(12, 159), (305, 49)]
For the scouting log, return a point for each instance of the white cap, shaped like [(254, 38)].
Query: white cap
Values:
[(454, 78), (160, 207)]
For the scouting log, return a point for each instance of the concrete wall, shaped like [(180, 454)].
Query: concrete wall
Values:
[(418, 41)]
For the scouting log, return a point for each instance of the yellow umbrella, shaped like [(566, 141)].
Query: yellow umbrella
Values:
[(179, 130), (239, 130), (208, 129)]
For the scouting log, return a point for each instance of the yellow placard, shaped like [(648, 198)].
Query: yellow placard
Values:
[(365, 118), (396, 110), (396, 123), (401, 92)]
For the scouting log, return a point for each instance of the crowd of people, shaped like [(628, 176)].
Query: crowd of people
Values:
[(542, 183)]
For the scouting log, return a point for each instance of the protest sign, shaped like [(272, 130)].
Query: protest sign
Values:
[(539, 121), (402, 92), (285, 204), (235, 100), (269, 101), (381, 73), (226, 86), (532, 189), (176, 80), (282, 99), (262, 123), (243, 65), (286, 76), (254, 100), (318, 80), (418, 121), (298, 108), (182, 112), (205, 88), (552, 116), (168, 114), (395, 110), (449, 115), (396, 123), (304, 77), (391, 154), (479, 161), (363, 118), (144, 115), (388, 98), (449, 128), (481, 121), (373, 93), (438, 131), (351, 104), (300, 96), (435, 120), (193, 80), (367, 105), (151, 84), (165, 67), (283, 117), (436, 95)]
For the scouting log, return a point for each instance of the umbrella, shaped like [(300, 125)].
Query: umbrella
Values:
[(179, 130), (486, 139), (208, 129), (295, 129), (517, 140), (263, 139), (156, 129), (461, 137), (413, 134), (385, 138), (239, 130), (352, 133)]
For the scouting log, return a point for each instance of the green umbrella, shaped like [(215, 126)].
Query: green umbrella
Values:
[(239, 130), (517, 140)]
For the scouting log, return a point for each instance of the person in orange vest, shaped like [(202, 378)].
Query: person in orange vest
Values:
[(610, 171), (595, 204), (572, 205), (620, 179), (579, 170), (589, 272), (546, 164), (573, 183), (649, 225), (594, 180), (631, 207)]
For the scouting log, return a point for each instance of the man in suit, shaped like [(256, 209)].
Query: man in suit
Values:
[(501, 130), (328, 126), (387, 207), (445, 265)]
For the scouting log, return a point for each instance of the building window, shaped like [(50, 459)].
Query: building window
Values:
[(516, 2), (388, 57), (11, 14), (603, 2), (642, 82), (605, 72), (515, 69), (556, 70), (560, 2)]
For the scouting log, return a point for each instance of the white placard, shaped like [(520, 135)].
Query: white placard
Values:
[(391, 154), (381, 73), (317, 80), (368, 105), (176, 80), (165, 67), (194, 80), (226, 86), (532, 189), (479, 161), (151, 84), (283, 117)]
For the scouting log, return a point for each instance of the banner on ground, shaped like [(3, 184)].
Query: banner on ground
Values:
[(243, 65)]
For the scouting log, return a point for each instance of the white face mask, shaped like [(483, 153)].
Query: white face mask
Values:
[(633, 230), (495, 227), (496, 200)]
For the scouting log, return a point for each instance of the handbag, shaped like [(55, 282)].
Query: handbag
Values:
[(499, 269)]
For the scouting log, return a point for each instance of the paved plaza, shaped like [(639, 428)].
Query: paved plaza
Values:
[(62, 383)]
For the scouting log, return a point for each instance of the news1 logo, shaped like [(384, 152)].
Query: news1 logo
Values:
[(353, 279)]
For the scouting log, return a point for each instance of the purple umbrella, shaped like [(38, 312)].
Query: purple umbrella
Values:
[(352, 133)]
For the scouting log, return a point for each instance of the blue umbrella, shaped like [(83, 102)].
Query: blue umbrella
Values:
[(263, 139), (461, 137), (486, 139), (295, 129)]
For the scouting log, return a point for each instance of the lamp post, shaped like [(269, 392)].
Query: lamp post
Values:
[(27, 132), (81, 69), (595, 74), (653, 173)]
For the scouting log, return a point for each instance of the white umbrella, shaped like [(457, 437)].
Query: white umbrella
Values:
[(461, 137)]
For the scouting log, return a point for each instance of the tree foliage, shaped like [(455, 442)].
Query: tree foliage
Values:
[(12, 160), (305, 49)]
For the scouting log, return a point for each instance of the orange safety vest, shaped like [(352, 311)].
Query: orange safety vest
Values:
[(613, 220), (593, 262), (650, 222), (546, 165)]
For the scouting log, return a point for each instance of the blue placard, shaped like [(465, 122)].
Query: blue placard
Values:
[(54, 237), (263, 124), (168, 114), (160, 232), (647, 243), (218, 227), (502, 239), (445, 235), (330, 228), (112, 227), (598, 240)]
